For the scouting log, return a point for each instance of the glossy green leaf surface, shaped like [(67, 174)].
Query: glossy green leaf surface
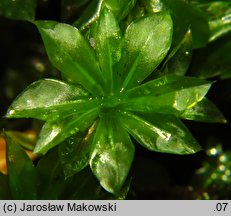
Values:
[(162, 133), (75, 152), (153, 6), (120, 8), (185, 15), (71, 54), (169, 94), (48, 97), (137, 12), (18, 9), (204, 111), (112, 155), (108, 47), (112, 94), (22, 174), (147, 41), (54, 132), (54, 185), (164, 85), (89, 15), (179, 59)]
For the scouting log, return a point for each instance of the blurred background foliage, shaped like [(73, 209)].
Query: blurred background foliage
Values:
[(201, 47)]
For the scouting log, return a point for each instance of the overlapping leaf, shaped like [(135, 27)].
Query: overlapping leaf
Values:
[(89, 15), (120, 8), (112, 155), (147, 41), (169, 94), (49, 99), (108, 46), (75, 151), (179, 58), (54, 132), (204, 111), (185, 15), (162, 133), (153, 5), (93, 118), (71, 54), (22, 174)]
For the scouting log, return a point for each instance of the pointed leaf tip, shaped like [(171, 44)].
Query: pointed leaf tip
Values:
[(69, 52), (55, 132), (45, 99), (147, 41), (112, 155), (160, 132), (204, 111), (108, 47)]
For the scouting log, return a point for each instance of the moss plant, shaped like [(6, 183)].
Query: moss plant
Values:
[(112, 90)]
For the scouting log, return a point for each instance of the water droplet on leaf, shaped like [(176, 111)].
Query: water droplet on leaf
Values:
[(11, 112)]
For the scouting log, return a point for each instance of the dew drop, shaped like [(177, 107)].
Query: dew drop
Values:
[(11, 112), (92, 42), (138, 81), (122, 89), (226, 19), (71, 142), (28, 101)]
